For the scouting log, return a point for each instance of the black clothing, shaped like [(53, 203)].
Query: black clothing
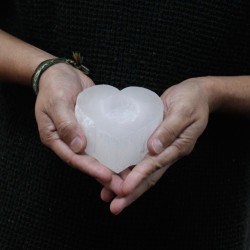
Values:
[(202, 202)]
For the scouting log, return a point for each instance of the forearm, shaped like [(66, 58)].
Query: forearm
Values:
[(228, 94), (18, 59)]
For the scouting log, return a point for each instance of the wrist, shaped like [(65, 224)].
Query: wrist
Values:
[(212, 87), (47, 64)]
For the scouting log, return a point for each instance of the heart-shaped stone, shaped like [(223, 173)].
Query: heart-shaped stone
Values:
[(117, 124)]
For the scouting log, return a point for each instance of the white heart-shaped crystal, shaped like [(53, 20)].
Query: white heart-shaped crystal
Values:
[(117, 124)]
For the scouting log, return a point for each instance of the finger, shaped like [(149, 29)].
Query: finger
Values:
[(84, 163), (170, 129), (49, 136), (63, 116), (114, 188), (107, 195), (120, 203), (148, 166), (115, 185)]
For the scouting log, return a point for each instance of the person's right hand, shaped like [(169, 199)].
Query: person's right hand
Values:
[(58, 128)]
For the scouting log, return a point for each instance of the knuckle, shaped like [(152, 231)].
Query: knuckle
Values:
[(61, 94), (156, 163), (46, 136), (150, 182), (169, 135), (150, 176), (184, 148), (70, 161), (57, 100), (186, 111), (64, 128)]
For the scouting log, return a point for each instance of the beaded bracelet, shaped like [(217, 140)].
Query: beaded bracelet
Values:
[(76, 63)]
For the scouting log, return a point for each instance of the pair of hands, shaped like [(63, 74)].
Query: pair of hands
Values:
[(186, 111)]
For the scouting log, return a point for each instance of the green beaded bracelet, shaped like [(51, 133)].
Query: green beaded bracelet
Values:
[(76, 63)]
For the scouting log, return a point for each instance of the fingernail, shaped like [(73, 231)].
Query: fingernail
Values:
[(76, 145), (157, 146)]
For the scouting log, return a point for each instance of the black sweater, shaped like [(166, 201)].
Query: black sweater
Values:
[(202, 202)]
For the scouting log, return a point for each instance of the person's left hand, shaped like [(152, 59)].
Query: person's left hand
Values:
[(186, 112)]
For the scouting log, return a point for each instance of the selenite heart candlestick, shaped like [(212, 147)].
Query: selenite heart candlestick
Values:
[(117, 124)]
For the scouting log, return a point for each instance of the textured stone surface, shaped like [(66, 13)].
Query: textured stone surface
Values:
[(117, 124)]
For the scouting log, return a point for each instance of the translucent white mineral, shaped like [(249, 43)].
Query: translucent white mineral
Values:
[(117, 124)]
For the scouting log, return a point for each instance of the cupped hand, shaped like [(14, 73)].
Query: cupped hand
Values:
[(58, 128), (186, 112)]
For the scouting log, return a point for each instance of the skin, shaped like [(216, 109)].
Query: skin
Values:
[(187, 106)]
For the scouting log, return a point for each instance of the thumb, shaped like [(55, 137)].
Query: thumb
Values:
[(68, 129), (167, 132)]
